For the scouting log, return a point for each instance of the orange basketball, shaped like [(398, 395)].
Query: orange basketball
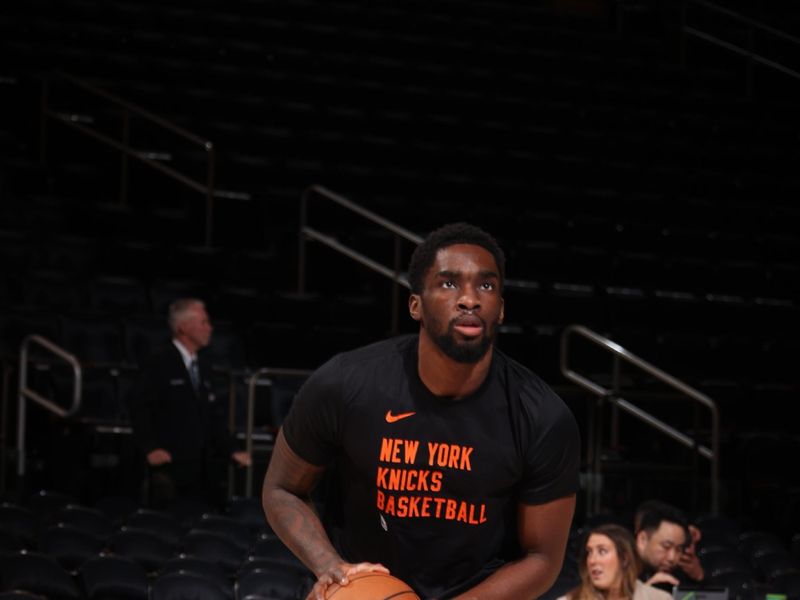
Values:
[(372, 586)]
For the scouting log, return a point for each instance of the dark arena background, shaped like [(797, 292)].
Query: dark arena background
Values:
[(638, 160)]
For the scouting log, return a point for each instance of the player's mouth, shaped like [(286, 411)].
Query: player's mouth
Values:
[(469, 326)]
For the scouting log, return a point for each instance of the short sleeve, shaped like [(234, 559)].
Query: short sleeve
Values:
[(553, 451), (311, 428)]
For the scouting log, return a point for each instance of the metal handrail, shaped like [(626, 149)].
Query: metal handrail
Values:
[(749, 52), (251, 398), (25, 393), (747, 20), (360, 258), (712, 453), (207, 188), (367, 214), (310, 233), (400, 233)]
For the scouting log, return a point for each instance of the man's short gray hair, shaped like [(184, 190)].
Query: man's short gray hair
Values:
[(178, 310)]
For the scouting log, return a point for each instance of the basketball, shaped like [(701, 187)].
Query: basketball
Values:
[(372, 586)]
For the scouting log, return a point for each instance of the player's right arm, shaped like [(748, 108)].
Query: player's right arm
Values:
[(286, 497)]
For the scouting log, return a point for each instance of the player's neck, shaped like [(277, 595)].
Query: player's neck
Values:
[(445, 377)]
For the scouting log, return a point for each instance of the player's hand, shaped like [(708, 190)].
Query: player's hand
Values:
[(158, 457), (243, 459), (339, 573), (662, 577)]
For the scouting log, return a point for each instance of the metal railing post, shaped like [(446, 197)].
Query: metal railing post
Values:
[(25, 393), (22, 407), (251, 402)]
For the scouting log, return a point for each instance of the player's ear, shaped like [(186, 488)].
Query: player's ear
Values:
[(414, 307), (502, 311)]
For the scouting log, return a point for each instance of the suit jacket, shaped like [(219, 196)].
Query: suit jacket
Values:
[(166, 412)]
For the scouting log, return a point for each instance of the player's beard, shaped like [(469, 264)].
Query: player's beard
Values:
[(466, 351)]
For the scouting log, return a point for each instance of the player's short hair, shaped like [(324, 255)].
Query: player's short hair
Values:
[(449, 235), (178, 309)]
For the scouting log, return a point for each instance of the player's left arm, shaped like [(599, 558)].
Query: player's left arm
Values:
[(543, 533)]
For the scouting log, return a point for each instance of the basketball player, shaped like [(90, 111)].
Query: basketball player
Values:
[(457, 467)]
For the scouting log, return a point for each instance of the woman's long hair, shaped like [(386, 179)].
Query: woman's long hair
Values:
[(628, 563)]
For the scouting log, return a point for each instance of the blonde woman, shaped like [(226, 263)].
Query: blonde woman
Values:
[(608, 568)]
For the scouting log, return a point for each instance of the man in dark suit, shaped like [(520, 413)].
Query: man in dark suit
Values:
[(178, 425)]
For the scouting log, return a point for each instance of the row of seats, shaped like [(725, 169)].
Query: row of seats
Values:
[(62, 550), (50, 547)]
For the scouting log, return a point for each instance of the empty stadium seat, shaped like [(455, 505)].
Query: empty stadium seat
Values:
[(69, 545), (37, 573), (142, 335), (723, 561), (270, 564), (123, 296), (47, 502), (270, 546), (116, 508), (260, 583), (91, 521), (248, 511), (179, 585), (215, 547), (236, 531), (104, 577), (207, 569), (18, 525), (158, 522), (147, 548)]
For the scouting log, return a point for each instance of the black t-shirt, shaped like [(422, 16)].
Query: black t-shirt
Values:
[(429, 485)]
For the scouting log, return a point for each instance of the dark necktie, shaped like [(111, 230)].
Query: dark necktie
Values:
[(194, 374)]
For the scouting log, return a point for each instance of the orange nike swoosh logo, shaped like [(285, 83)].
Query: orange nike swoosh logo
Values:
[(390, 418)]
